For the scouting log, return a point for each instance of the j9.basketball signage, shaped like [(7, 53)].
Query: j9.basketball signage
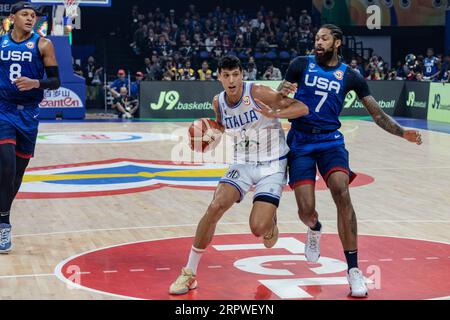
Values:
[(193, 100)]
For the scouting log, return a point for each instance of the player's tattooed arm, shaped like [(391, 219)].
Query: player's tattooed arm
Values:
[(219, 119), (385, 122), (274, 105)]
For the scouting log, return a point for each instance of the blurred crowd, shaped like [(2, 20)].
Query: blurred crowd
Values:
[(188, 45), (429, 67)]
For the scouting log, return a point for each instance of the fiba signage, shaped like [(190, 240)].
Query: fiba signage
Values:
[(61, 98)]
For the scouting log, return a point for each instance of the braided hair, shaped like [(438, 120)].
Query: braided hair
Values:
[(337, 33)]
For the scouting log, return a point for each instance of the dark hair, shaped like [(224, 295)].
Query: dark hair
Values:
[(229, 63), (337, 33)]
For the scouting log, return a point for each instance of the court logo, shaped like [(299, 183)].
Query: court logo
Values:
[(93, 137), (125, 176), (239, 266)]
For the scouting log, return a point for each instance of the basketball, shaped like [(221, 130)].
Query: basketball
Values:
[(204, 135)]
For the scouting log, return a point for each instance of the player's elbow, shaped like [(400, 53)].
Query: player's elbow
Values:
[(304, 110)]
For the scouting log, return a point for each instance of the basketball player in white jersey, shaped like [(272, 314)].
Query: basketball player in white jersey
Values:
[(260, 154)]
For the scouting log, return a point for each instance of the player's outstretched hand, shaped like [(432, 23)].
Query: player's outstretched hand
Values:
[(25, 84), (413, 136), (265, 110), (288, 88)]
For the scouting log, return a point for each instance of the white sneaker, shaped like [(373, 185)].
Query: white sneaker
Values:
[(357, 283), (312, 246)]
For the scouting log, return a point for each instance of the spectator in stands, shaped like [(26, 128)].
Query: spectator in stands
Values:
[(419, 77), (124, 105), (305, 19), (272, 73), (92, 73), (354, 65), (186, 73), (250, 73), (136, 86), (432, 66), (393, 76), (446, 77), (262, 45), (205, 73), (445, 67), (120, 82), (153, 70)]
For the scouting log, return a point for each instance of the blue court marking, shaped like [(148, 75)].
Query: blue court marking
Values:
[(423, 124)]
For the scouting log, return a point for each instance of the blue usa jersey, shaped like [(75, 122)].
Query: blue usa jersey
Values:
[(20, 59), (430, 65), (323, 90)]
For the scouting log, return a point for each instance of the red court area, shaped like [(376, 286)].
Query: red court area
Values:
[(238, 267)]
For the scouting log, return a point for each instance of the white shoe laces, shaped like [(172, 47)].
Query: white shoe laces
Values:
[(313, 240), (4, 236)]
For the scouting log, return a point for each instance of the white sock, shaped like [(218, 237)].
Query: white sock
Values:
[(194, 259)]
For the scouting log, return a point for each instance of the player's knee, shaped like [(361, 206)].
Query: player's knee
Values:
[(216, 210), (307, 210), (341, 193), (259, 229)]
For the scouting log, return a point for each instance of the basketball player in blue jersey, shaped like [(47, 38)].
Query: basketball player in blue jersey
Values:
[(431, 63), (24, 58), (322, 82), (260, 160)]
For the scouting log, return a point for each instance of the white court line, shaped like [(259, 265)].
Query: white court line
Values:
[(137, 270), (60, 276), (215, 267), (222, 224), (110, 271), (384, 260), (27, 276), (432, 258), (162, 269)]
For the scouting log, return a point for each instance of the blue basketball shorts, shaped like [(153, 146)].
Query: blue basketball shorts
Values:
[(19, 126), (310, 153)]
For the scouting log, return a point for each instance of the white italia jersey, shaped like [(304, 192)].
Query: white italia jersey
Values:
[(256, 138)]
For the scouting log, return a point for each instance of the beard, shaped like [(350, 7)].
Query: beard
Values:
[(325, 57)]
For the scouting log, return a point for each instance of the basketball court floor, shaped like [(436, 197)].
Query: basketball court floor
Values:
[(104, 214)]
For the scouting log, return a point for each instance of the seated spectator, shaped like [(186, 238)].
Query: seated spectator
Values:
[(205, 73), (419, 77), (354, 65), (250, 73), (120, 82), (186, 73), (124, 105), (272, 73), (304, 19), (446, 77), (136, 86)]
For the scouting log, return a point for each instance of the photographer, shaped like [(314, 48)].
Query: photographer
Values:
[(272, 73), (125, 105)]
